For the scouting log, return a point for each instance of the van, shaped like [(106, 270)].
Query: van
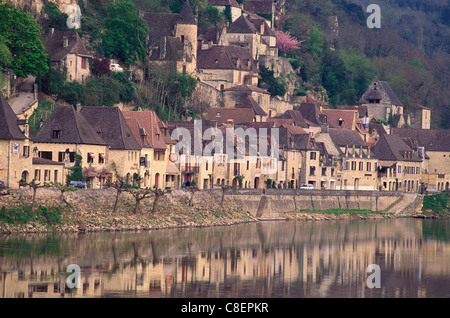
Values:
[(115, 67)]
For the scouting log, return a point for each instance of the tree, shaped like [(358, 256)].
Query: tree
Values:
[(35, 186), (62, 188), (158, 194), (124, 33), (286, 42), (76, 172), (139, 195), (119, 188), (22, 36)]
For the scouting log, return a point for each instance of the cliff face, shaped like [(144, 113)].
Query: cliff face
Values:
[(34, 7)]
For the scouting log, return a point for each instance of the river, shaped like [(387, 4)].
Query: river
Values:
[(259, 260)]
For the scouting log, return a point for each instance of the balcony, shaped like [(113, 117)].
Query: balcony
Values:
[(190, 169)]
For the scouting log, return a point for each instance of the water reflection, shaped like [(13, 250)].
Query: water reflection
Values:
[(269, 259)]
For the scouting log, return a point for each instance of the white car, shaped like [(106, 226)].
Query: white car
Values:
[(115, 67), (307, 186)]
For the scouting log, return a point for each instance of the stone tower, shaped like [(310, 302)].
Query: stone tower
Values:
[(186, 31)]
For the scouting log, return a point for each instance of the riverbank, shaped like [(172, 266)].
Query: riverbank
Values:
[(92, 211)]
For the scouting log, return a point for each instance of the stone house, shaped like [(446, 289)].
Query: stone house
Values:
[(234, 7), (356, 164), (67, 51), (15, 155), (432, 145), (264, 8), (172, 41), (399, 166), (382, 102), (238, 95), (420, 117), (227, 66), (152, 134), (66, 133), (124, 151)]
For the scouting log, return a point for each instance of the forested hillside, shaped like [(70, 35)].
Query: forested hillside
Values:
[(410, 50), (338, 58)]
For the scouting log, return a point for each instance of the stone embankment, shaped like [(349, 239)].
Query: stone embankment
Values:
[(92, 210)]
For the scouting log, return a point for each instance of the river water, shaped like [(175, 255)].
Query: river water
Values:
[(267, 259)]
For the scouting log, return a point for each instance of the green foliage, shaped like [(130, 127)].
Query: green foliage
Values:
[(168, 95), (22, 36), (55, 18), (5, 54), (72, 92), (76, 172), (23, 215), (438, 203), (124, 33), (211, 17), (275, 86)]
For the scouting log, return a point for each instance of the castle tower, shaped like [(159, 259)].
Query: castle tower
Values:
[(186, 31)]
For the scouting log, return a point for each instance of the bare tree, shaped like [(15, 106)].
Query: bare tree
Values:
[(139, 195), (158, 193), (192, 189), (62, 188), (35, 186), (118, 186)]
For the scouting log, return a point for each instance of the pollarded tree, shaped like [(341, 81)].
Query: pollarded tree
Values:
[(22, 36)]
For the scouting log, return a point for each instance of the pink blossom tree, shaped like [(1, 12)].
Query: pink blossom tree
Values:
[(286, 42)]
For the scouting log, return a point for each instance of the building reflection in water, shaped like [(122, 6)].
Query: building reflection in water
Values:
[(271, 259)]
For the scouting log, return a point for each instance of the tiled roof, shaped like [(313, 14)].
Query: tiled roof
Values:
[(246, 88), (310, 112), (146, 127), (232, 3), (249, 102), (333, 117), (73, 127), (8, 122), (241, 25), (393, 148), (54, 45), (237, 115), (186, 15), (430, 139), (110, 122), (226, 57), (346, 137)]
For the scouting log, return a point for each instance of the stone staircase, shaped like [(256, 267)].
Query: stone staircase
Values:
[(409, 205)]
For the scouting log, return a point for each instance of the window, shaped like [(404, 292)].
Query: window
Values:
[(324, 171), (83, 63), (399, 168), (353, 165), (101, 158), (46, 175), (55, 176), (248, 165), (56, 134), (46, 155), (312, 156), (312, 171), (90, 157), (26, 151), (361, 166), (207, 165), (369, 166), (37, 175)]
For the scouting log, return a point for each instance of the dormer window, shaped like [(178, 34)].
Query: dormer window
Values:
[(56, 134), (218, 114), (341, 121)]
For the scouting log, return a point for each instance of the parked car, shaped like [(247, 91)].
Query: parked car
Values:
[(307, 186), (2, 184), (77, 184), (115, 67)]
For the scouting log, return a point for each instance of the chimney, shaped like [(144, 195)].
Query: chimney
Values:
[(261, 29), (65, 41)]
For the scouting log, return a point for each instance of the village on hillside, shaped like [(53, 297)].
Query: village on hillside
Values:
[(374, 146)]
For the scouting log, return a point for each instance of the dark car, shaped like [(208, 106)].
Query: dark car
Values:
[(77, 184), (2, 184)]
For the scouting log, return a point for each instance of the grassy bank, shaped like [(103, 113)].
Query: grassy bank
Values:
[(438, 204)]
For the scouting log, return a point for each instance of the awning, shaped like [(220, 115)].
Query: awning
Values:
[(172, 169), (387, 163)]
